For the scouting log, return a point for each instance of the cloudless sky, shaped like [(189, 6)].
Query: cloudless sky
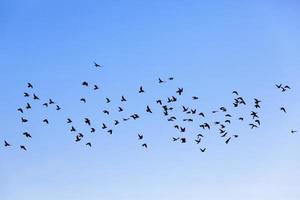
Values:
[(211, 48)]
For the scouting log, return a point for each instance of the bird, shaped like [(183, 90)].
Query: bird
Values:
[(171, 78), (182, 129), (73, 129), (175, 139), (83, 100), (235, 92), (6, 144), (26, 134), (88, 144), (110, 131), (179, 91), (253, 126), (293, 131), (160, 81), (278, 86), (201, 114), (145, 145), (26, 94), (29, 85), (116, 122), (51, 101), (183, 140), (58, 107), (24, 120), (46, 121), (78, 138), (106, 112), (93, 130), (257, 121), (198, 140), (141, 90), (69, 121), (20, 110), (241, 119), (87, 121), (185, 109), (140, 137), (107, 100), (120, 109), (148, 109), (104, 126), (35, 97), (97, 65), (159, 102), (96, 87), (135, 116), (195, 97), (84, 83), (28, 106), (254, 114), (203, 150), (283, 109), (23, 147), (45, 104), (123, 99), (227, 141)]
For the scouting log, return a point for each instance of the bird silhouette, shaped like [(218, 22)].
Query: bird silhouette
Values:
[(6, 144), (20, 110), (283, 109), (69, 121), (123, 99), (26, 134), (84, 83), (83, 100), (97, 65), (46, 121), (93, 130), (26, 94), (145, 145), (23, 147), (88, 144), (179, 91), (141, 90), (51, 101), (24, 120), (227, 141), (107, 100), (28, 106), (148, 109), (140, 136), (203, 150), (96, 87), (29, 85), (35, 97), (87, 121), (120, 109)]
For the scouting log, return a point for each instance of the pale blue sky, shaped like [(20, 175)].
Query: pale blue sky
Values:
[(210, 48)]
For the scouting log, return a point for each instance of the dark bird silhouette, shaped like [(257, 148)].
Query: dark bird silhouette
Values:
[(185, 109), (23, 147), (253, 126), (6, 144), (97, 65), (182, 129), (28, 106), (176, 126), (110, 131), (171, 78), (145, 145), (159, 102), (140, 137), (88, 144), (83, 100), (160, 81), (257, 121), (254, 114), (183, 140), (148, 109), (116, 122), (84, 83), (278, 86), (69, 121), (26, 134), (235, 92), (241, 119), (293, 131), (227, 141), (46, 121), (179, 91), (198, 140), (175, 139), (26, 94), (201, 114), (78, 138), (224, 135), (141, 90), (24, 120), (29, 85), (87, 121), (283, 109), (195, 98), (107, 100), (58, 107), (106, 112), (126, 119), (35, 97), (104, 126), (135, 116), (20, 110), (96, 87), (93, 130), (203, 150), (120, 109), (73, 129), (123, 99), (51, 101), (45, 104)]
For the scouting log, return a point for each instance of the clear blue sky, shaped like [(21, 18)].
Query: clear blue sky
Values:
[(210, 48)]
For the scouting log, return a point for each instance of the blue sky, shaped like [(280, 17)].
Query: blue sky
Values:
[(211, 48)]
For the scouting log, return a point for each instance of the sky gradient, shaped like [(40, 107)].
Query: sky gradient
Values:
[(210, 49)]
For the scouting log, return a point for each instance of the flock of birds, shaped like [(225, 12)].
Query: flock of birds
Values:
[(167, 110)]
